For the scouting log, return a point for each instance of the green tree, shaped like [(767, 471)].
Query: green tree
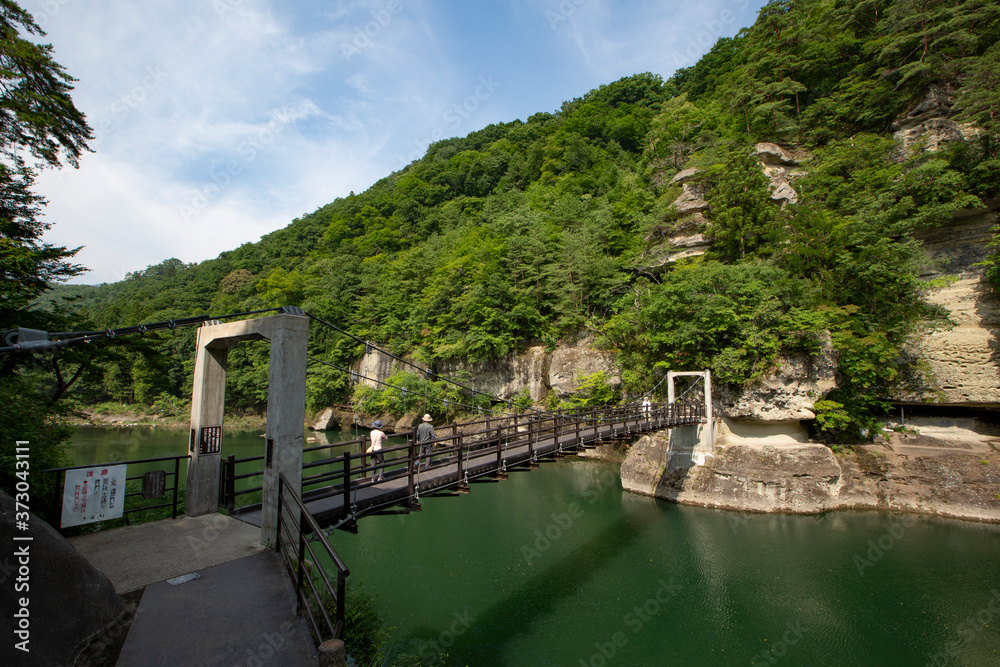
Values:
[(39, 121), (745, 221)]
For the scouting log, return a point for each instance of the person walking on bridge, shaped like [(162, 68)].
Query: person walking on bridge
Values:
[(378, 458), (425, 434)]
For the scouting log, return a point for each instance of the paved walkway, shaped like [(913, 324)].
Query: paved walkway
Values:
[(239, 610), (237, 613), (136, 556)]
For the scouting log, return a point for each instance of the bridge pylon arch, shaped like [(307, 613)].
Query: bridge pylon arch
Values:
[(703, 433), (288, 334)]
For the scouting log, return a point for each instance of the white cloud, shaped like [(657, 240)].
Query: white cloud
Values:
[(217, 121)]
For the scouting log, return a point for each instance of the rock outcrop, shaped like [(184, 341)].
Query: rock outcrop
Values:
[(777, 164), (928, 125), (928, 477), (70, 602), (537, 369), (691, 200), (789, 392), (962, 361)]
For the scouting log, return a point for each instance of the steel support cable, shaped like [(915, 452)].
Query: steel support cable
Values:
[(426, 371), (690, 389), (650, 392), (409, 391), (67, 338)]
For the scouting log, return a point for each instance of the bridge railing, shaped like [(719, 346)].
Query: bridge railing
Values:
[(136, 497), (322, 600), (478, 448)]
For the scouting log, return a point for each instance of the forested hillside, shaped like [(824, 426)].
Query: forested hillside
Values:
[(537, 229)]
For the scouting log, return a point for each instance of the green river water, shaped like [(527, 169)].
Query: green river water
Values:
[(559, 566)]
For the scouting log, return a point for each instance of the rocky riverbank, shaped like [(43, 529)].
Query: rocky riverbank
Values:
[(948, 472), (246, 422)]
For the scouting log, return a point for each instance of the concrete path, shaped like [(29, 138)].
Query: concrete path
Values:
[(136, 556), (238, 613)]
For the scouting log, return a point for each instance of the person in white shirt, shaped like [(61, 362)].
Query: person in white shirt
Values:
[(378, 458)]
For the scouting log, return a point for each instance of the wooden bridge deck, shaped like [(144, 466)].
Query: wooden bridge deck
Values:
[(461, 458)]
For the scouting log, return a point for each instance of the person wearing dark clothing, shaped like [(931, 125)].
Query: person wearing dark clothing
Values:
[(425, 434)]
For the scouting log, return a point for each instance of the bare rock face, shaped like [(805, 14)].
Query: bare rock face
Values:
[(326, 421), (928, 124), (568, 364), (646, 463), (691, 200), (777, 163), (802, 479), (538, 370), (788, 393), (684, 175), (805, 478), (963, 361), (774, 154), (70, 602), (931, 134)]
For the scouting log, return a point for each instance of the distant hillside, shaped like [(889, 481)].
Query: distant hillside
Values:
[(533, 230)]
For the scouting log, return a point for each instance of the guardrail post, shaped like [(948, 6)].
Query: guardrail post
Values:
[(555, 437), (230, 476), (347, 484), (411, 488), (341, 598), (500, 471), (177, 486), (299, 572), (281, 492), (463, 486)]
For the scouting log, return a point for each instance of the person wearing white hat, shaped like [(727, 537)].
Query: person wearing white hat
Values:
[(425, 434)]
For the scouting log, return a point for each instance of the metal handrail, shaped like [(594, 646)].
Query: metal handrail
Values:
[(174, 490), (308, 598)]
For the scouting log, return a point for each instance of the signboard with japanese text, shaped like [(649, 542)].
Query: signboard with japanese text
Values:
[(93, 494), (211, 440)]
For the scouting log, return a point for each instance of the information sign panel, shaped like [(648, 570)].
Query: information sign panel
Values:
[(93, 494), (154, 484), (211, 440)]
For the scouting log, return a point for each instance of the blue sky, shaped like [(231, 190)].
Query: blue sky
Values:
[(218, 121)]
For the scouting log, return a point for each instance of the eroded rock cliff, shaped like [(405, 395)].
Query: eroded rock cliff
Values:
[(959, 479)]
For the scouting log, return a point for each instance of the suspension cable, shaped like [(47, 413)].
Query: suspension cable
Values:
[(406, 391), (66, 338), (428, 373)]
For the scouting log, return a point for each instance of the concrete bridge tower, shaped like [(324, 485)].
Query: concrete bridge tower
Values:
[(286, 401)]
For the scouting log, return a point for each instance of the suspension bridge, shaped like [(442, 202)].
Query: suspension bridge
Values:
[(301, 502)]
